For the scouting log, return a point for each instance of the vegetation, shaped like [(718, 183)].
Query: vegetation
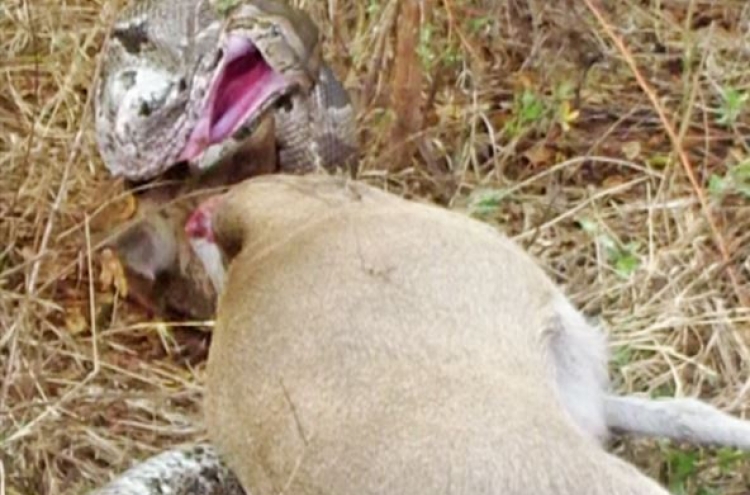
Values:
[(610, 138)]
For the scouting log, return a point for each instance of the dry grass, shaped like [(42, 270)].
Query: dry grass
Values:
[(529, 116)]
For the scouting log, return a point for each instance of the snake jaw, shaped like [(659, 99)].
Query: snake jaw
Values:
[(243, 87), (165, 94)]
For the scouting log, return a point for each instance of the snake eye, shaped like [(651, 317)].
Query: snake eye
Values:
[(181, 85), (284, 103), (144, 110)]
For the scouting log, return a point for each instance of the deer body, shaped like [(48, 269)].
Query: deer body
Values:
[(369, 345)]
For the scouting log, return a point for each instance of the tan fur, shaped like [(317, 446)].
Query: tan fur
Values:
[(368, 345)]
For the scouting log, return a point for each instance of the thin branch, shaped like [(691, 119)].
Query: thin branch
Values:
[(726, 257)]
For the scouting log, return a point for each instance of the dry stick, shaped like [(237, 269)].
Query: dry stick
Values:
[(407, 85), (12, 335), (31, 284), (676, 144), (453, 25), (376, 66)]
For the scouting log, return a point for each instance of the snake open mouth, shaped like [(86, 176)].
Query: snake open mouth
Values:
[(242, 88)]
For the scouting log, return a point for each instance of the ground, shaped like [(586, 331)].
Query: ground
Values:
[(609, 138)]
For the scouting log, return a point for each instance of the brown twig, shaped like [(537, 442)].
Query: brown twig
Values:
[(726, 257), (406, 97)]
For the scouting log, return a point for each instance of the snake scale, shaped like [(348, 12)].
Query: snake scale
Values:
[(216, 85), (190, 80)]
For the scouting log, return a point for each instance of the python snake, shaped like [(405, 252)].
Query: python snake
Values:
[(189, 81)]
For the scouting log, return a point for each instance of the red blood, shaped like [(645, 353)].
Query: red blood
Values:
[(200, 223)]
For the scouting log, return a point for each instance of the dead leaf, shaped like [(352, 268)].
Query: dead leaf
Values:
[(614, 180), (112, 273), (568, 115), (75, 322), (114, 213), (523, 80), (540, 155), (631, 150), (27, 253)]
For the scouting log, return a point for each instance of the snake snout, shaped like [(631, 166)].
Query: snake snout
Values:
[(243, 87)]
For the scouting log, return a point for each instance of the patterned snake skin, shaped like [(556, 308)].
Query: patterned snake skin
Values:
[(166, 75)]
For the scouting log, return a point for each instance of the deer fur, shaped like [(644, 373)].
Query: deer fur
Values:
[(366, 344)]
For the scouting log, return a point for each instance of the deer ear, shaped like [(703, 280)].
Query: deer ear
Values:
[(148, 247)]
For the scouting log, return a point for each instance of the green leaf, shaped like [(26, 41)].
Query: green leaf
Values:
[(742, 170), (626, 264), (732, 106), (666, 390), (727, 459), (224, 6), (736, 180), (716, 186), (622, 356), (588, 226), (479, 23), (486, 202), (683, 464), (532, 108), (425, 48), (565, 91)]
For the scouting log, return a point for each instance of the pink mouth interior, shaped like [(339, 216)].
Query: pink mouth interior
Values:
[(244, 84)]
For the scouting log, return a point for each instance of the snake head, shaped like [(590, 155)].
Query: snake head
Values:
[(178, 79)]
